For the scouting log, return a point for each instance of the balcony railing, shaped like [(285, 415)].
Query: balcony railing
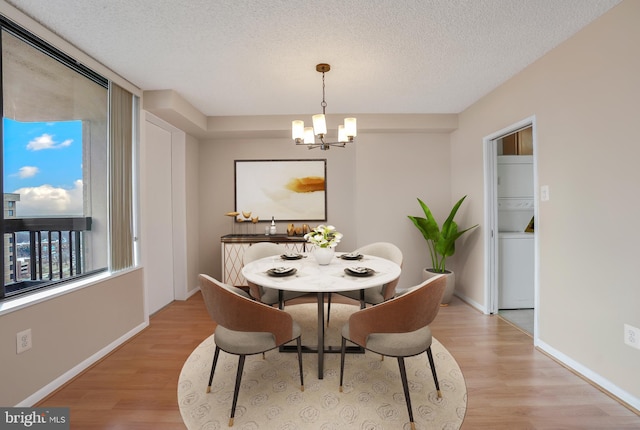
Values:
[(54, 251)]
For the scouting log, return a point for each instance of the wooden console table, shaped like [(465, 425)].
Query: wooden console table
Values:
[(235, 245)]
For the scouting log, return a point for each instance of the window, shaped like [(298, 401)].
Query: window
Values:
[(58, 160)]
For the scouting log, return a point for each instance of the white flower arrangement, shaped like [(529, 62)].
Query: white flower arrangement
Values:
[(324, 236)]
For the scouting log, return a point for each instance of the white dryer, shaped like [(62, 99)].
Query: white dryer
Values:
[(516, 270)]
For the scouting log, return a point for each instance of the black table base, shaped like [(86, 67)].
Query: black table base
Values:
[(326, 349)]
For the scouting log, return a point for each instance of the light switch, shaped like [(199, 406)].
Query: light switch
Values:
[(544, 193)]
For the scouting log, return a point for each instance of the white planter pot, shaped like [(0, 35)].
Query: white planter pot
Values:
[(323, 256), (449, 289)]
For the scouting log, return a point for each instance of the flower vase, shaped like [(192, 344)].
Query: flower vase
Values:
[(323, 256)]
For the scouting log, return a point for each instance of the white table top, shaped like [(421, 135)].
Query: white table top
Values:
[(312, 277)]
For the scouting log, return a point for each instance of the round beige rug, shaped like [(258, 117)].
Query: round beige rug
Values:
[(270, 396)]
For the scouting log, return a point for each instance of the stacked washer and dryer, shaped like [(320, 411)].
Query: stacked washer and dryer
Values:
[(516, 257)]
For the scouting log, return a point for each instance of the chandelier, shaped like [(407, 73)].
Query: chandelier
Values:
[(307, 135)]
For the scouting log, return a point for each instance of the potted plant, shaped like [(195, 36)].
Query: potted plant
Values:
[(441, 243)]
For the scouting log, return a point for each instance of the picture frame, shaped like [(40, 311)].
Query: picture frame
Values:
[(287, 190)]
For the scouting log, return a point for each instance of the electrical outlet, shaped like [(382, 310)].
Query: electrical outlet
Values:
[(23, 339), (632, 336)]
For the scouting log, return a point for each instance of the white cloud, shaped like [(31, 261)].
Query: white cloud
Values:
[(46, 142), (28, 172), (46, 200)]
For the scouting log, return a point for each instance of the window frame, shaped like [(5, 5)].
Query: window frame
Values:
[(61, 286)]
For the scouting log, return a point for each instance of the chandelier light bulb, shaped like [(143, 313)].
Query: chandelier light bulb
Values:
[(342, 134), (319, 124), (309, 137), (350, 127), (297, 130)]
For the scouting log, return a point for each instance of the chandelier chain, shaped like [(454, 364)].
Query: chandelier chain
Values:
[(324, 103)]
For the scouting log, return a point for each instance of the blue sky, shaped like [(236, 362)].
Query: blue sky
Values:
[(43, 163)]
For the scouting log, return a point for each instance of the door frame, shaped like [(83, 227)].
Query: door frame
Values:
[(490, 152)]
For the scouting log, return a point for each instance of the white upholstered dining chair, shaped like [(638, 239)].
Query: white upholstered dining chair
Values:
[(268, 296), (380, 293)]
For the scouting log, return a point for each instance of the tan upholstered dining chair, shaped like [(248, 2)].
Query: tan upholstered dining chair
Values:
[(382, 293), (268, 296), (245, 327), (398, 328)]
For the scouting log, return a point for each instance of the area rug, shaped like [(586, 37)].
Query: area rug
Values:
[(270, 396)]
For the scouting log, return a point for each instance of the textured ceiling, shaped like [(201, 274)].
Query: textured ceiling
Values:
[(252, 57)]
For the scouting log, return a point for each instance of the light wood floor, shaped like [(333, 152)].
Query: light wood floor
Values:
[(510, 384)]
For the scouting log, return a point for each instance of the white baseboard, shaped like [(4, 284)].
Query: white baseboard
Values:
[(590, 375), (585, 372), (75, 371), (471, 302), (192, 292)]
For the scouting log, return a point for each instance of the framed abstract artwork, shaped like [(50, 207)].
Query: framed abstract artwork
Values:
[(288, 190)]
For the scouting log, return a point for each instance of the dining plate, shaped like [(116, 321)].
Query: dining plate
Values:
[(291, 256), (359, 271), (351, 256), (282, 271)]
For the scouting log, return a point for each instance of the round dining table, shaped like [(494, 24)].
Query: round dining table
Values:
[(301, 273)]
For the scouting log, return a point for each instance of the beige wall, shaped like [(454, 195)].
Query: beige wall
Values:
[(584, 95), (67, 332), (192, 199), (372, 186)]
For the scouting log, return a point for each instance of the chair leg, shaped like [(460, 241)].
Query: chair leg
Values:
[(299, 345), (343, 349), (213, 367), (433, 371), (328, 308), (405, 386), (237, 388)]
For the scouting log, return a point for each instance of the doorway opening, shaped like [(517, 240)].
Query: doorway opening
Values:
[(511, 208)]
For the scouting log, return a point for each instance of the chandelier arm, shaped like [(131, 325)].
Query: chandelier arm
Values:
[(322, 146)]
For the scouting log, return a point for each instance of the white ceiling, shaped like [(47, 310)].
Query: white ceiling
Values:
[(252, 57)]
